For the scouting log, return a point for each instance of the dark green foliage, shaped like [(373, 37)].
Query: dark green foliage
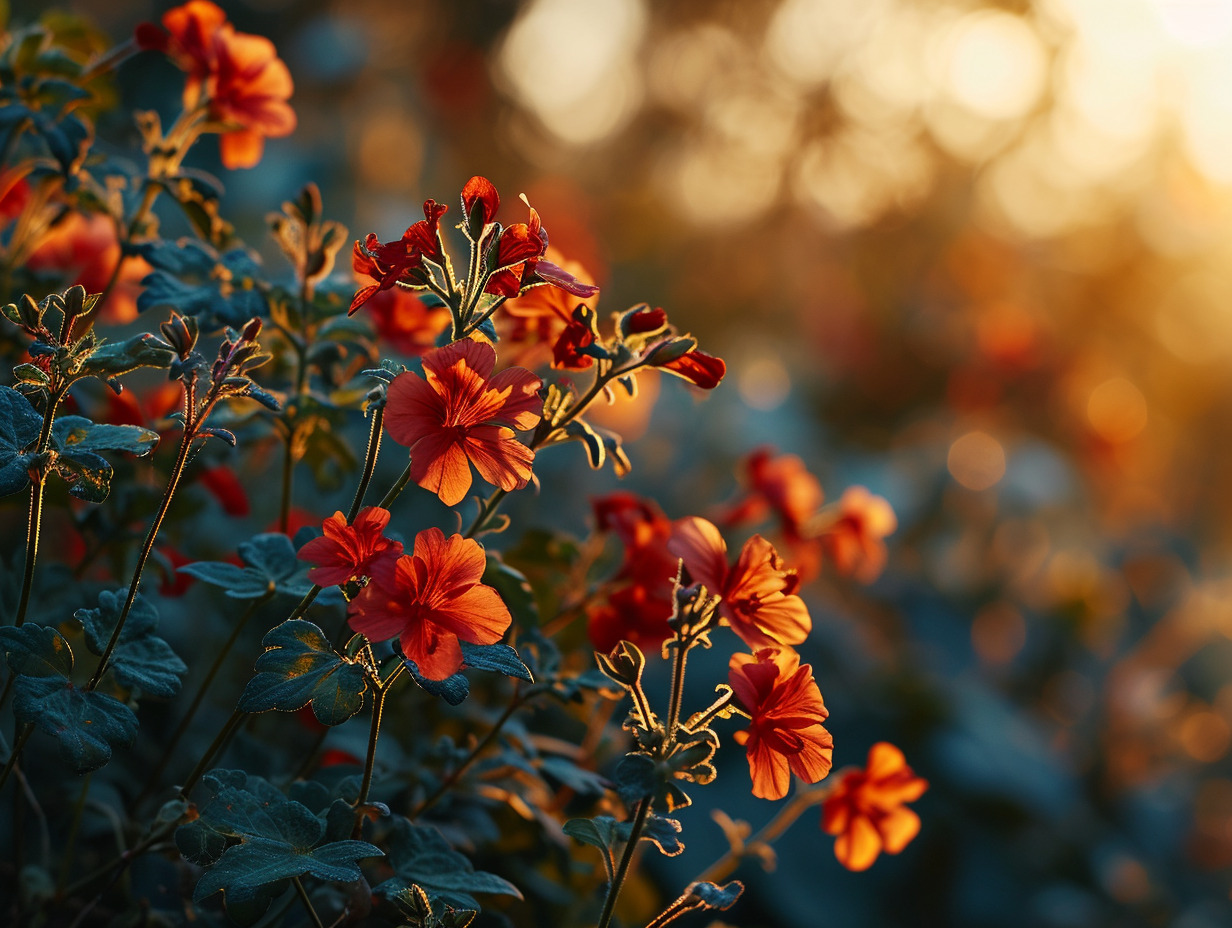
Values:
[(77, 442), (255, 839), (298, 668), (188, 277), (86, 725), (141, 659), (421, 857), (19, 429), (271, 567)]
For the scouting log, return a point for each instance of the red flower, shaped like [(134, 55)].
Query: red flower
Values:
[(225, 487), (533, 323), (759, 600), (852, 535), (866, 809), (348, 552), (390, 263), (785, 734), (641, 603), (482, 191), (569, 352), (405, 323), (780, 483), (84, 249), (461, 415), (174, 583), (430, 600), (698, 368)]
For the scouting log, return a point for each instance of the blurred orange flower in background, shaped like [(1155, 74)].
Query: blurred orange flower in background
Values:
[(866, 809), (84, 249), (852, 533)]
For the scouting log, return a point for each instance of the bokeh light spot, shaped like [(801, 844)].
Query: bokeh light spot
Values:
[(1117, 410), (977, 461)]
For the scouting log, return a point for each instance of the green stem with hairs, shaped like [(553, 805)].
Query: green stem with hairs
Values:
[(622, 869)]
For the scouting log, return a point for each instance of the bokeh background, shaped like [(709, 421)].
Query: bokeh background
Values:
[(976, 256)]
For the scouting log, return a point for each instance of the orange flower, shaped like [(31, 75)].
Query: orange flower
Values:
[(461, 415), (430, 600), (852, 535), (404, 322), (778, 483), (245, 84), (348, 552), (389, 263), (759, 600), (785, 734), (187, 38), (866, 809), (534, 322), (84, 249), (248, 93)]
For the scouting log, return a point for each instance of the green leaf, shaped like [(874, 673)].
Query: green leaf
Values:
[(246, 868), (87, 725), (420, 856), (20, 425), (238, 582), (636, 777), (77, 433), (271, 564), (607, 834), (300, 667), (514, 589), (36, 651), (115, 358), (498, 658), (141, 658), (453, 689), (87, 474)]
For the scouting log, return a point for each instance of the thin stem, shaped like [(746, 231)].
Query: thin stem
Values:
[(486, 511), (22, 737), (303, 896), (147, 546), (35, 521), (683, 644), (305, 602), (396, 490), (635, 834), (771, 831), (182, 727), (70, 848), (456, 773), (219, 740), (374, 732), (374, 448)]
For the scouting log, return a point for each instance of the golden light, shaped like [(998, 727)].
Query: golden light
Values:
[(977, 461), (807, 40), (764, 382), (573, 65), (1117, 410), (992, 63)]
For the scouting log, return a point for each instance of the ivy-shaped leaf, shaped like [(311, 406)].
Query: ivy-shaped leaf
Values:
[(20, 424), (271, 565), (420, 856), (141, 658), (300, 667), (279, 838), (86, 725)]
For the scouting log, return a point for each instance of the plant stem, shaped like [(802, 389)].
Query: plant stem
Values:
[(486, 511), (396, 490), (66, 865), (518, 700), (219, 740), (787, 815), (374, 732), (374, 448), (35, 521), (635, 833), (182, 727), (22, 737), (683, 644), (147, 546), (303, 896)]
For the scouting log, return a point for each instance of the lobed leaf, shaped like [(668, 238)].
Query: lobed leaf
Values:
[(300, 667)]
